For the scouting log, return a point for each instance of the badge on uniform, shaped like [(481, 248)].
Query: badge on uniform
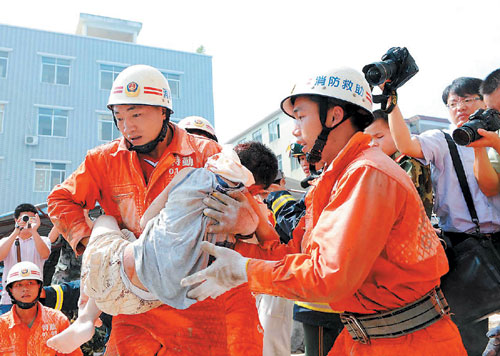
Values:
[(132, 89)]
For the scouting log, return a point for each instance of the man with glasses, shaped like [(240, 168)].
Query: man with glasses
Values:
[(487, 163), (462, 97)]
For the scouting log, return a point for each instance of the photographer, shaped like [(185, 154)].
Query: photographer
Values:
[(23, 244), (487, 164), (462, 97)]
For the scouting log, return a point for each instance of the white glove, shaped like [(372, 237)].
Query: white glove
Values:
[(228, 271), (493, 347), (234, 213)]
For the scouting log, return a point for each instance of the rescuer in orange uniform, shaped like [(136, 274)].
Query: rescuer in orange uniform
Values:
[(365, 245), (26, 327), (125, 176)]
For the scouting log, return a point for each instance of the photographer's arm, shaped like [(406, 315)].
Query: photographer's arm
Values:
[(487, 178), (405, 144), (40, 245), (6, 244)]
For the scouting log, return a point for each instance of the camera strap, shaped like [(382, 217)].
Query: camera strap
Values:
[(462, 179), (384, 97), (18, 250)]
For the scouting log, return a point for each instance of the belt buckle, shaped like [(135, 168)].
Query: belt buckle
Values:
[(356, 327), (442, 306)]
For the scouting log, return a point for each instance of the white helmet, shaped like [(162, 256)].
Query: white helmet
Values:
[(343, 83), (193, 123), (24, 270), (140, 84)]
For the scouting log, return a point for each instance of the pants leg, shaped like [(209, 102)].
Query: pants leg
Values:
[(318, 340), (275, 315), (244, 332), (474, 337)]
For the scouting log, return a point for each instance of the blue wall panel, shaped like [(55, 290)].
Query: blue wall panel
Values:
[(23, 92)]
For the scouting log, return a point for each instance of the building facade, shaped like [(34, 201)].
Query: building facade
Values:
[(53, 93)]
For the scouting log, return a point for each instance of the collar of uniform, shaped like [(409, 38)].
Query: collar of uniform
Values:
[(15, 320), (358, 143), (181, 142)]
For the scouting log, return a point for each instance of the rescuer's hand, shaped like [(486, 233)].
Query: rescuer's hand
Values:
[(234, 214), (228, 271)]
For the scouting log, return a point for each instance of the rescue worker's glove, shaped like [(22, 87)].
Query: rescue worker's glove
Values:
[(234, 213), (228, 271), (493, 347)]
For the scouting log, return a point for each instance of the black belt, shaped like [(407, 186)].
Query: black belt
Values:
[(398, 322)]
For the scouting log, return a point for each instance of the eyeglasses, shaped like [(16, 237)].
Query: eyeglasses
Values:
[(466, 102)]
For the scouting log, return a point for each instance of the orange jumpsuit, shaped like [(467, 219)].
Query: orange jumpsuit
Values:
[(112, 176), (18, 339), (364, 246)]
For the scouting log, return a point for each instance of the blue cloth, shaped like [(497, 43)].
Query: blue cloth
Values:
[(4, 308), (169, 248)]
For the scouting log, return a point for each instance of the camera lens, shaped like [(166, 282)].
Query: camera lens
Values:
[(377, 73), (463, 135), (26, 218)]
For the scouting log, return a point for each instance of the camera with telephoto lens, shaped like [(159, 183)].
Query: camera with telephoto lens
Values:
[(397, 65), (488, 120)]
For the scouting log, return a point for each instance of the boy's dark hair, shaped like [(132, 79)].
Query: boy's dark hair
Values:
[(380, 115), (23, 208), (462, 87), (490, 83), (259, 160), (359, 117)]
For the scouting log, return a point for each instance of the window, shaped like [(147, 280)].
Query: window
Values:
[(48, 174), (174, 82), (274, 130), (107, 128), (257, 136), (280, 162), (2, 111), (108, 74), (4, 58), (294, 163), (55, 70), (52, 122), (243, 140)]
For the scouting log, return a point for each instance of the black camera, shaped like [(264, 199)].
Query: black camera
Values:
[(488, 120), (397, 65)]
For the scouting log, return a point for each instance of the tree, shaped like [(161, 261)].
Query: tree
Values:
[(200, 49)]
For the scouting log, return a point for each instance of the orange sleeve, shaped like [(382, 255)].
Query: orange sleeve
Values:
[(350, 234), (68, 199), (270, 247), (271, 250)]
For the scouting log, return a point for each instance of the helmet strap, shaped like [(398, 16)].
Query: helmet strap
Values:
[(150, 146), (314, 156), (23, 305)]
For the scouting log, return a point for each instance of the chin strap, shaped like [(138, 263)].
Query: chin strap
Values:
[(314, 156), (148, 147), (23, 305)]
